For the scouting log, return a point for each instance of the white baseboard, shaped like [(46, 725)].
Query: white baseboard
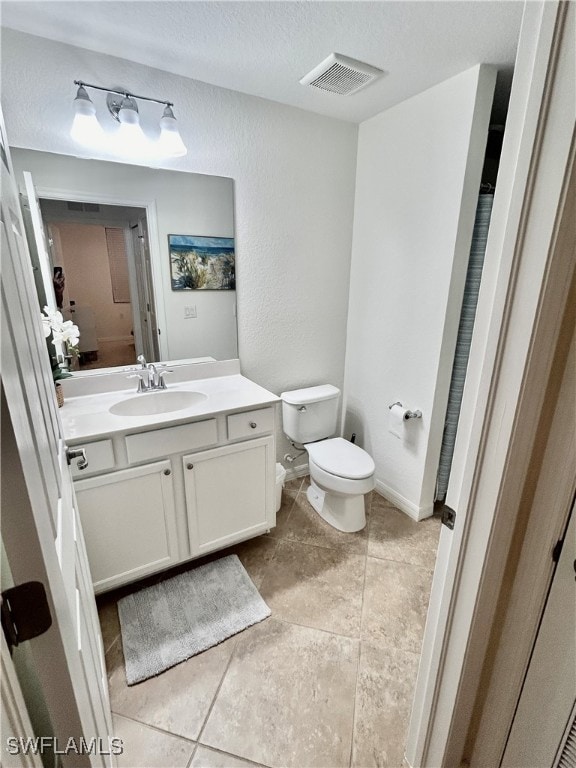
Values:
[(300, 471), (412, 510)]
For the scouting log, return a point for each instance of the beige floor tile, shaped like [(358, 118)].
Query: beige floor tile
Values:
[(146, 747), (386, 679), (395, 536), (316, 587), (294, 484), (395, 603), (287, 699), (177, 700), (109, 622), (377, 500), (305, 525), (209, 758), (255, 555)]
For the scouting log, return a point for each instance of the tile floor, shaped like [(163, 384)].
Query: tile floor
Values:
[(325, 682)]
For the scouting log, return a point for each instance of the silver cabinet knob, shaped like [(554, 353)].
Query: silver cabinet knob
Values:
[(189, 466), (253, 424), (167, 471)]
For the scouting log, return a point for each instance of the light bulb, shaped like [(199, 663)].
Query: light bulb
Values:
[(130, 138), (170, 142), (85, 128)]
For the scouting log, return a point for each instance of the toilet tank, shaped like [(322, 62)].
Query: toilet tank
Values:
[(310, 414)]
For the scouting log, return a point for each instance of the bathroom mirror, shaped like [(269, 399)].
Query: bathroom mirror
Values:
[(147, 256)]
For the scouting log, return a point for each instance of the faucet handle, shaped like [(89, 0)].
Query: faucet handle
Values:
[(161, 374), (142, 386)]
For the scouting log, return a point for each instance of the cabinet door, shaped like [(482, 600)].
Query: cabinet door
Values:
[(129, 523), (229, 493)]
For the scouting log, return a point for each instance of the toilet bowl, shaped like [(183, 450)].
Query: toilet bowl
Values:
[(341, 473)]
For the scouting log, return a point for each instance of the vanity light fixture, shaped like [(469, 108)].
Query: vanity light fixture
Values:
[(129, 139), (85, 128)]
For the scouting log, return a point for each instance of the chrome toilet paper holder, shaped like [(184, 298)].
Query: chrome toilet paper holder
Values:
[(408, 414)]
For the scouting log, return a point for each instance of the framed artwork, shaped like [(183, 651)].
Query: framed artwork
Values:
[(202, 263)]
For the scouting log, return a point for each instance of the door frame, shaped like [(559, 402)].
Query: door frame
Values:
[(15, 719), (518, 332), (59, 193)]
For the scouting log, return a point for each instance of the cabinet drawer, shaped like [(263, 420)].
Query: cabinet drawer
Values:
[(162, 442), (250, 423), (100, 456)]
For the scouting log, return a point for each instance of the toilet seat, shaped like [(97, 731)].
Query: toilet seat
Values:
[(341, 458)]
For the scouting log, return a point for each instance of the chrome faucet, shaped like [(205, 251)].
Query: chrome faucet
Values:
[(149, 377)]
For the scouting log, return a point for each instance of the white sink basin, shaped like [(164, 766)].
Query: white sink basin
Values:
[(156, 403)]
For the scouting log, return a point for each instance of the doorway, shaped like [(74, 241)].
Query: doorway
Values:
[(102, 277)]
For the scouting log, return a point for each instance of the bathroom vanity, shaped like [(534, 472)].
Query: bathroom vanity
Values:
[(170, 475)]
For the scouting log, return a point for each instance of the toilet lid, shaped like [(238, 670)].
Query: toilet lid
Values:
[(340, 457)]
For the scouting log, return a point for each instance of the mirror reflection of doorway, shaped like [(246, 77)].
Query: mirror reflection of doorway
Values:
[(102, 279)]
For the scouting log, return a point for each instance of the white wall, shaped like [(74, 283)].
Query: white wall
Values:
[(84, 253), (184, 203), (293, 175), (418, 174)]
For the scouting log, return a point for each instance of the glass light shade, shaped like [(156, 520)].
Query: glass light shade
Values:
[(86, 129), (129, 138), (170, 143)]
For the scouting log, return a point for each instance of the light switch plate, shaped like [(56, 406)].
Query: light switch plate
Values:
[(189, 312)]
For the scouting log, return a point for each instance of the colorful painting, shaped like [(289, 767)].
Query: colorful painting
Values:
[(202, 263)]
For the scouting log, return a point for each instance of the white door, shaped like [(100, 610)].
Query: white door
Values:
[(40, 245), (538, 730), (40, 241), (146, 303), (40, 528)]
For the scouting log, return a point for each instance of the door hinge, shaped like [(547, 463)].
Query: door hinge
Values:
[(557, 551), (448, 517), (25, 612)]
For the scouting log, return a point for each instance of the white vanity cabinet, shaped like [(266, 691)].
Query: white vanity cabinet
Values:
[(154, 497), (129, 523), (229, 492)]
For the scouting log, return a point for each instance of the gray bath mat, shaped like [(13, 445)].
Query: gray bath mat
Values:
[(171, 621)]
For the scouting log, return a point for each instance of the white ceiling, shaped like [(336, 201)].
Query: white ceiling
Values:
[(264, 48)]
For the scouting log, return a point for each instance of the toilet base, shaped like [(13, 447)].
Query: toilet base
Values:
[(345, 513)]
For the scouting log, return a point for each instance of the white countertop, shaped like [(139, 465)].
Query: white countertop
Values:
[(88, 417)]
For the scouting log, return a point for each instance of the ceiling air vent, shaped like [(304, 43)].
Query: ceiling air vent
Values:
[(340, 74), (84, 207)]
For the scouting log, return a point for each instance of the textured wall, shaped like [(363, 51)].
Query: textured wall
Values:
[(419, 168), (294, 175)]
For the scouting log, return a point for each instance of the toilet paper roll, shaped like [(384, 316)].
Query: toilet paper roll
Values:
[(397, 417)]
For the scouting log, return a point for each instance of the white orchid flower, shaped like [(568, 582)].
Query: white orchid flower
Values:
[(46, 326), (63, 331), (68, 333)]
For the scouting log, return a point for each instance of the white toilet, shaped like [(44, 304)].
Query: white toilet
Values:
[(340, 472)]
